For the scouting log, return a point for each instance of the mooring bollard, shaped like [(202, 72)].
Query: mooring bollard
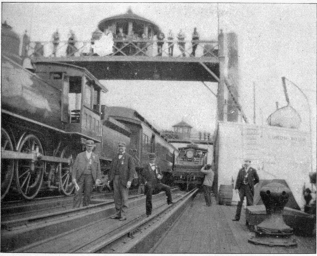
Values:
[(273, 231)]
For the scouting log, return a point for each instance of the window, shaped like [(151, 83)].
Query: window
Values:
[(74, 93), (87, 98), (56, 75), (96, 99), (146, 143), (74, 98)]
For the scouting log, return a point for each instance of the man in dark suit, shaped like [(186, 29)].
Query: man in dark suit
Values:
[(247, 178), (121, 173), (152, 175), (86, 171)]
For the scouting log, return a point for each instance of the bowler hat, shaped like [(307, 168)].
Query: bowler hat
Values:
[(90, 143), (152, 156), (122, 144)]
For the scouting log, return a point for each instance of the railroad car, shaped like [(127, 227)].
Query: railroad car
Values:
[(145, 139), (47, 115), (187, 165)]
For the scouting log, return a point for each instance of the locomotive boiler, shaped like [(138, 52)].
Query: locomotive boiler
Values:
[(47, 115)]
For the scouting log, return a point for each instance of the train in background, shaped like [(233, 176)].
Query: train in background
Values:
[(187, 166), (145, 139), (48, 112)]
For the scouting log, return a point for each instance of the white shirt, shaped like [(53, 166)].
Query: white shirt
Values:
[(120, 155), (209, 177), (88, 154)]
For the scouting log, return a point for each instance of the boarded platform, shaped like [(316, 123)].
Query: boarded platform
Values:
[(203, 229)]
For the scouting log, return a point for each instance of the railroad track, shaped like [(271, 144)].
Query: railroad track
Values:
[(14, 210), (87, 229)]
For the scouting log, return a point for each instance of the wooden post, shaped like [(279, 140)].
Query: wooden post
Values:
[(220, 94), (254, 105)]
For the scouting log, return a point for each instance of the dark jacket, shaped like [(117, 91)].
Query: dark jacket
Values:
[(126, 168), (149, 175), (160, 39), (253, 178), (81, 164)]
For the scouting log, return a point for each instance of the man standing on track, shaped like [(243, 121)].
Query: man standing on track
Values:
[(247, 178), (86, 170), (121, 173), (152, 176)]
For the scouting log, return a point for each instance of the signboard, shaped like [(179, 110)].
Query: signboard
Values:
[(276, 153)]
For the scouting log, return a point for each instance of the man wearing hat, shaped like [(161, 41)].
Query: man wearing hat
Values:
[(247, 178), (152, 176), (86, 171), (121, 173)]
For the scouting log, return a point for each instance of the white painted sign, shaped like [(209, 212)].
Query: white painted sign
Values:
[(276, 153)]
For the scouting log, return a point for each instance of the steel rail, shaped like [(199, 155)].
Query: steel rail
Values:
[(64, 233), (103, 245)]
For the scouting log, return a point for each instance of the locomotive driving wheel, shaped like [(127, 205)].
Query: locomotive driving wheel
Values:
[(65, 176), (29, 173), (7, 165)]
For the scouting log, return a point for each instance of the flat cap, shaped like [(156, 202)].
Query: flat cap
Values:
[(122, 144), (90, 143)]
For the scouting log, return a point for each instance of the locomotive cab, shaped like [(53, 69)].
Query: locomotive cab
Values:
[(80, 97)]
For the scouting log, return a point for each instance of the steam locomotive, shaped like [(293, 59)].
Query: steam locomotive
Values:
[(187, 165), (47, 115)]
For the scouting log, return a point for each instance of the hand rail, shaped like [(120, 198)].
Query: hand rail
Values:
[(126, 47)]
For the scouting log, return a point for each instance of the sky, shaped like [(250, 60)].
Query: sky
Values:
[(275, 40)]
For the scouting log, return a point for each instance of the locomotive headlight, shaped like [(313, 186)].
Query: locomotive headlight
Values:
[(190, 154)]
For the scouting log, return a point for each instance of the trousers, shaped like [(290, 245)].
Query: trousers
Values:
[(244, 191), (207, 194), (85, 183), (150, 189), (120, 195)]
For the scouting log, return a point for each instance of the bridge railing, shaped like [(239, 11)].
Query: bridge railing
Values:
[(146, 48)]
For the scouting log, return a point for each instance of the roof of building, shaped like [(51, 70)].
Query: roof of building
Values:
[(182, 124), (128, 16)]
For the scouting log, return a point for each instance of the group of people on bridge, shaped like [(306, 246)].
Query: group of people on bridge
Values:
[(107, 43)]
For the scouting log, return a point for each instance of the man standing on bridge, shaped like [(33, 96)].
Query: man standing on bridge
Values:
[(152, 175), (247, 178), (86, 170), (121, 173)]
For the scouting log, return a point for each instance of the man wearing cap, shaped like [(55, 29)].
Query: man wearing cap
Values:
[(86, 171), (121, 173), (247, 178), (208, 182), (152, 175)]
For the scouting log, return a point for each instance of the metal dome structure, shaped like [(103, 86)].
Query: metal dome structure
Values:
[(129, 22)]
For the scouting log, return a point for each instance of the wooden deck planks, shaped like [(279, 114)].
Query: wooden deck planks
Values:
[(170, 243), (240, 231), (204, 229)]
